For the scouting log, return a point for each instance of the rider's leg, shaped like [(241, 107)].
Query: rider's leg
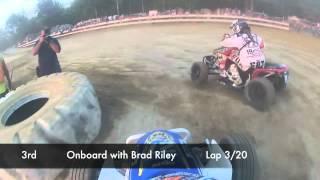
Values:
[(223, 72), (239, 71), (234, 75), (245, 74)]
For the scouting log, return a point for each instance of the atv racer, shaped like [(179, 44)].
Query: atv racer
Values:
[(242, 53), (241, 64)]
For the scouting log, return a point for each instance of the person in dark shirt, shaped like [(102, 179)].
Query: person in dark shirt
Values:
[(47, 48)]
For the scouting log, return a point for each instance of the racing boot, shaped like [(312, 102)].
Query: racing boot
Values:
[(234, 76), (223, 79)]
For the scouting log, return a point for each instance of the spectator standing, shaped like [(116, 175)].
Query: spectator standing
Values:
[(47, 48)]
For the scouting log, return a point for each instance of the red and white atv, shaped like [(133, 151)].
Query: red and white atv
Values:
[(260, 86)]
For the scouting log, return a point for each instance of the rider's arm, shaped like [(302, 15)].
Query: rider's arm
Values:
[(6, 73), (54, 45), (261, 43), (233, 41), (36, 48)]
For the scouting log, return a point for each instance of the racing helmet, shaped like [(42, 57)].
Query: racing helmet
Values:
[(240, 26)]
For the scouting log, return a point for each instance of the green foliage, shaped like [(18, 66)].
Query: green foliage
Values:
[(15, 29), (50, 13), (16, 22), (4, 39)]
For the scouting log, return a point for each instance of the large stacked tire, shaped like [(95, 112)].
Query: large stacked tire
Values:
[(246, 168), (59, 108)]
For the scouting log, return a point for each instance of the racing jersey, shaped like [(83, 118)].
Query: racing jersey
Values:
[(250, 50)]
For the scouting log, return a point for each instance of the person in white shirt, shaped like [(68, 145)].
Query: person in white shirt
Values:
[(248, 54)]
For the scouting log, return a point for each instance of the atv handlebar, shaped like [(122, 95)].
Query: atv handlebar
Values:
[(218, 49)]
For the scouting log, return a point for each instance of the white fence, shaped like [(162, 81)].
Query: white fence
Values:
[(171, 18)]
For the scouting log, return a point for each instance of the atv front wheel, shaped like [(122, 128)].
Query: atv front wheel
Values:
[(279, 82), (244, 162), (260, 93), (199, 73)]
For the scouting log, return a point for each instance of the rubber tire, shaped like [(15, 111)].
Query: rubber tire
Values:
[(248, 169), (269, 93), (279, 84), (84, 174), (203, 76), (72, 113)]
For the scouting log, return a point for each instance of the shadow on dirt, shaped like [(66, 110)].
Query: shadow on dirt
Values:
[(214, 87), (112, 91)]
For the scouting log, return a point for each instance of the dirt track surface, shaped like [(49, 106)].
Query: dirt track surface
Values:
[(142, 77)]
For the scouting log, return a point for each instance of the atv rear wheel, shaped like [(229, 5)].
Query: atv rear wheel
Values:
[(244, 168), (260, 93), (199, 73)]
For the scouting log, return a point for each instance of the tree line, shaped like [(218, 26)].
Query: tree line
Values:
[(51, 12)]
